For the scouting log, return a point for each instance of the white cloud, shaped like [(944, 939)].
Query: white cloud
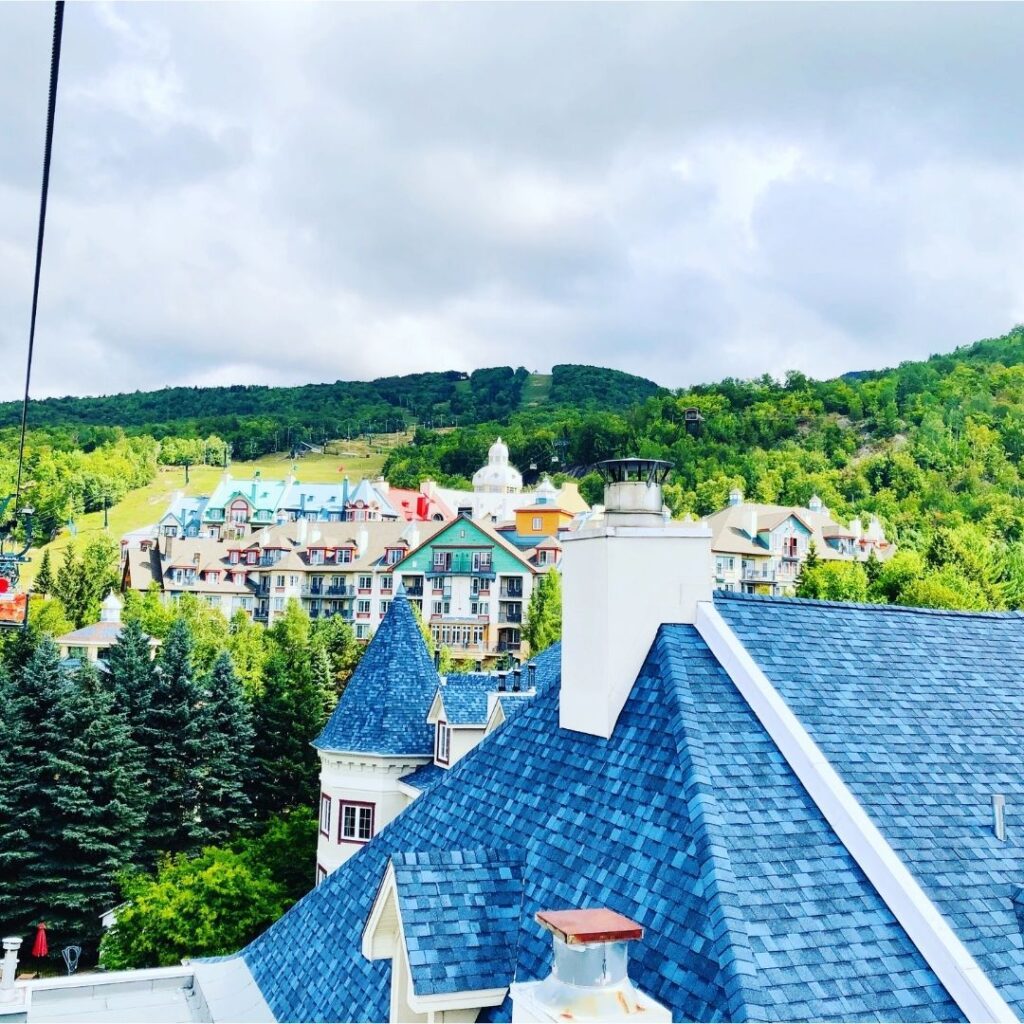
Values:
[(282, 193)]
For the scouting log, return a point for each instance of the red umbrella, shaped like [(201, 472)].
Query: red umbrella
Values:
[(39, 947)]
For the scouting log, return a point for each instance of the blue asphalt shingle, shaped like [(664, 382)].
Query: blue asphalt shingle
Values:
[(922, 715), (464, 900), (385, 704), (687, 820)]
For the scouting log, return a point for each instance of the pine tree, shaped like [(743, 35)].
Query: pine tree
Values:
[(29, 863), (288, 715), (44, 578), (176, 727), (131, 681), (71, 587), (94, 815), (228, 753)]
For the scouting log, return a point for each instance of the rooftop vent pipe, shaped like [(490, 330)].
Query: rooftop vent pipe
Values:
[(999, 816), (589, 979)]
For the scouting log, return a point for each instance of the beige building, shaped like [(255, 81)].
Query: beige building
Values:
[(759, 549), (340, 568)]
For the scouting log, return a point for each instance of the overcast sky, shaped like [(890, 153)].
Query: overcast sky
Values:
[(284, 194)]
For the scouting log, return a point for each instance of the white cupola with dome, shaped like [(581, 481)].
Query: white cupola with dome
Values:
[(498, 476)]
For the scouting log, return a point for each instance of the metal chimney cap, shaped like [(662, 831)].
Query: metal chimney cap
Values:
[(597, 924), (651, 471)]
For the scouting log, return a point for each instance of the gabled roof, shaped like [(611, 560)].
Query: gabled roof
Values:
[(922, 715), (464, 900), (384, 707), (687, 820), (465, 697)]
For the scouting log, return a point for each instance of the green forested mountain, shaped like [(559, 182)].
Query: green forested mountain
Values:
[(933, 448), (256, 420)]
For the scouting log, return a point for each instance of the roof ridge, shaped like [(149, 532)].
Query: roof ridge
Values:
[(817, 602), (732, 948)]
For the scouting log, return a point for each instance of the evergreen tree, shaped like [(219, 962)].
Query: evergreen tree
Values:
[(132, 679), (544, 615), (228, 753), (70, 824), (176, 726), (246, 644), (44, 578), (873, 568), (71, 588), (288, 715), (807, 570), (94, 817)]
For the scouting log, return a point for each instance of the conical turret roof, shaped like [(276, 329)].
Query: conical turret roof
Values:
[(384, 707)]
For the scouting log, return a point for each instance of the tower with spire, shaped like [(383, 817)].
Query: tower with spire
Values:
[(377, 733)]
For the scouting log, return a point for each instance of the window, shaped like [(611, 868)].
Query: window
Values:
[(392, 556), (355, 822), (435, 608), (365, 582), (293, 581), (442, 559), (537, 522), (384, 606), (234, 558), (481, 561), (321, 873), (246, 603), (442, 743), (278, 581), (278, 604), (316, 556), (363, 607), (325, 814), (724, 563), (344, 555), (362, 631), (386, 583)]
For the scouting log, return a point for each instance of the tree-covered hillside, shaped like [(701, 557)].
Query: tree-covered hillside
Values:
[(933, 448), (255, 420)]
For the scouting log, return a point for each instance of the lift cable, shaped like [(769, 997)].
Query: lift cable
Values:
[(58, 28)]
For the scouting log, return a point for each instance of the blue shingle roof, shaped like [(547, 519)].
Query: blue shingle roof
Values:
[(425, 776), (922, 715), (460, 914), (465, 698), (385, 704), (687, 820)]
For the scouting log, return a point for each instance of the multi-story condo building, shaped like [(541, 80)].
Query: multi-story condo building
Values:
[(472, 586), (759, 549), (341, 569)]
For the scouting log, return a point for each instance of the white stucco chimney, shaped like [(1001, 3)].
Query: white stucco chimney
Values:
[(621, 580), (302, 531)]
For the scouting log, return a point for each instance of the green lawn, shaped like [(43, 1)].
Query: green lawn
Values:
[(355, 459)]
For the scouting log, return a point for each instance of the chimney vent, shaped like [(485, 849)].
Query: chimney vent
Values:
[(516, 676), (735, 496), (531, 675), (999, 816), (632, 491), (589, 980), (437, 659), (502, 676)]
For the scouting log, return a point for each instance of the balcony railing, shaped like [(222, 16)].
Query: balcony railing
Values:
[(512, 588), (504, 646), (505, 619), (462, 563), (758, 573), (338, 591)]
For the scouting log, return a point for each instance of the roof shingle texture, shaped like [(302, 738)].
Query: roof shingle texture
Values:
[(687, 821), (922, 715), (460, 914), (384, 707)]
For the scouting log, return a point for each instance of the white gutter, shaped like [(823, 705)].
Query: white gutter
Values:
[(942, 950)]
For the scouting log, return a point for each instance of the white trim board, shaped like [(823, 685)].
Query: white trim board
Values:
[(938, 944)]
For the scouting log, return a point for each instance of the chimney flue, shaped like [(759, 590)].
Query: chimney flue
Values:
[(516, 674), (502, 676), (589, 979), (531, 675), (632, 491)]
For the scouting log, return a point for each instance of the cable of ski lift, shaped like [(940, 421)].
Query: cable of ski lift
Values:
[(13, 599)]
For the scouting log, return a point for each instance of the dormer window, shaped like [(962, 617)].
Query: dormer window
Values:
[(234, 558), (344, 554), (316, 556), (392, 556), (442, 743)]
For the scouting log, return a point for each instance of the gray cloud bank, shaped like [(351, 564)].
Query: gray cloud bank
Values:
[(284, 193)]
